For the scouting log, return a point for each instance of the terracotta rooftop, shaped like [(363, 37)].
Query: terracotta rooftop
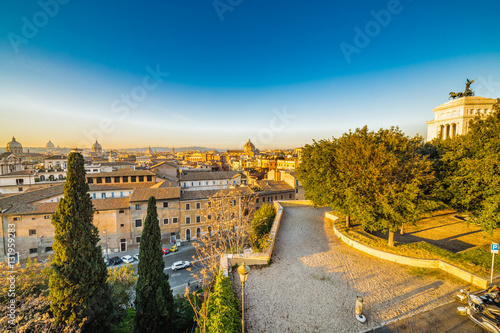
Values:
[(207, 175), (273, 186), (50, 207), (159, 193), (121, 173), (31, 196)]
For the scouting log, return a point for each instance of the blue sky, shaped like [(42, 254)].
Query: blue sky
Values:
[(215, 73)]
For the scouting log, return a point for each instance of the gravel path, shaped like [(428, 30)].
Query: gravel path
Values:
[(314, 278)]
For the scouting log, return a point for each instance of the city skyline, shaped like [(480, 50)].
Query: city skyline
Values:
[(281, 74)]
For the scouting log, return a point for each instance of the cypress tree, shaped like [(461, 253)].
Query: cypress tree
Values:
[(154, 303), (79, 294)]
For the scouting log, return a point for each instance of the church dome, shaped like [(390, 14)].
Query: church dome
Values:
[(249, 146), (14, 147), (50, 146), (96, 147)]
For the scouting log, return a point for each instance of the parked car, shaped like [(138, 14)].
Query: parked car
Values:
[(180, 265), (108, 262), (115, 261), (136, 256), (165, 251), (127, 259), (174, 248)]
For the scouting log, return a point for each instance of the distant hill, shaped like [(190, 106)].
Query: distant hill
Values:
[(168, 149), (142, 149)]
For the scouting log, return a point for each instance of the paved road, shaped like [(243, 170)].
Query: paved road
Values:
[(178, 278), (442, 319), (314, 278)]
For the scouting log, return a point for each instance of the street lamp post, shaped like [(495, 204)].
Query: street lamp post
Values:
[(243, 272), (107, 252)]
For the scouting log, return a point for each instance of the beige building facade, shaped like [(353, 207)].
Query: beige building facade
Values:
[(452, 118)]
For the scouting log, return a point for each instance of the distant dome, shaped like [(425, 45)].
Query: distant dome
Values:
[(14, 147), (49, 146), (249, 147), (96, 148)]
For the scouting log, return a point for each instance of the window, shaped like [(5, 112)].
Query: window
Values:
[(94, 196), (214, 182), (282, 197), (138, 240), (206, 183), (149, 178), (19, 181), (89, 180), (296, 190), (188, 206), (32, 251), (141, 178), (188, 220), (137, 206), (122, 225), (209, 217), (20, 189), (138, 223), (98, 180), (290, 196), (184, 184), (198, 205), (174, 219), (46, 217), (121, 211), (198, 219), (15, 219), (269, 199), (199, 183), (257, 200), (165, 221), (112, 194), (32, 232), (103, 195), (117, 179), (121, 194), (48, 249), (125, 179), (275, 197), (108, 180), (133, 179), (233, 202), (165, 205)]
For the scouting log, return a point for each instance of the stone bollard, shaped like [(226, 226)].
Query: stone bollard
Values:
[(359, 310)]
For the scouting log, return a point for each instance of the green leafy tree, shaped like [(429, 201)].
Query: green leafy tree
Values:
[(326, 182), (397, 179), (31, 295), (79, 293), (380, 178), (184, 314), (262, 221), (154, 303), (121, 281), (261, 224), (222, 308), (472, 182)]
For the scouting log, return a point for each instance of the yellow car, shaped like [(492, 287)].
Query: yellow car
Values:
[(174, 249)]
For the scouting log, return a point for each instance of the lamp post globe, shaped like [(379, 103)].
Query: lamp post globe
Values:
[(243, 273)]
